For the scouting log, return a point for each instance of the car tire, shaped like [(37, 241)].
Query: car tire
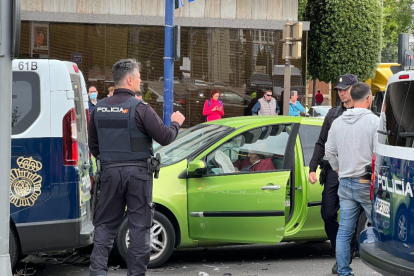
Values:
[(402, 226), (162, 240), (14, 248)]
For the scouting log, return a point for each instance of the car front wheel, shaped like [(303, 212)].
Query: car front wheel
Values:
[(162, 240)]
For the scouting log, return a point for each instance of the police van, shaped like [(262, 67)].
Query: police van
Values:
[(49, 176), (388, 246)]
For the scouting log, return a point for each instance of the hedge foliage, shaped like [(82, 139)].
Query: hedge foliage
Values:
[(345, 37)]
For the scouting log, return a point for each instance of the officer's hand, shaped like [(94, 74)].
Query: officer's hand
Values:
[(313, 178), (177, 117)]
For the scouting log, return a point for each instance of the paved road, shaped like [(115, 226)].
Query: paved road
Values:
[(248, 260)]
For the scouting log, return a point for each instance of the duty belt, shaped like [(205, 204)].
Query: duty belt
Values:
[(136, 164)]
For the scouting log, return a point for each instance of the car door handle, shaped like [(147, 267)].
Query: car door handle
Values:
[(275, 187), (86, 166)]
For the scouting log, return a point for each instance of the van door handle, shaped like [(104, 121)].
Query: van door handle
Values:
[(276, 187)]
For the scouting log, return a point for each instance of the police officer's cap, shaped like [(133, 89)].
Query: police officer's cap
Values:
[(345, 81)]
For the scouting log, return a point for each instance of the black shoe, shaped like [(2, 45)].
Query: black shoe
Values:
[(335, 268)]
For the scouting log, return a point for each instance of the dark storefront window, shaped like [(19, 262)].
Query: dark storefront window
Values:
[(240, 63)]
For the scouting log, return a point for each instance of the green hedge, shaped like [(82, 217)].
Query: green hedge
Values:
[(345, 37)]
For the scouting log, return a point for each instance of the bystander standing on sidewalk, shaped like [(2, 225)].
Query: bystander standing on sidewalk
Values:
[(319, 98), (349, 149), (295, 108), (213, 107), (266, 105)]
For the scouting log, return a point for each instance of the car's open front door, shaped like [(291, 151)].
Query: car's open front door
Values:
[(246, 206)]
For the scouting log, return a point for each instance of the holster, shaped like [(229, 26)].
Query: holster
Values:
[(154, 165)]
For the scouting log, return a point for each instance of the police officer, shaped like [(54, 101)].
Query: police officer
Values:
[(121, 132), (330, 199)]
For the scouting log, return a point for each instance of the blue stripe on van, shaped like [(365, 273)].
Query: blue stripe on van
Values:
[(42, 189)]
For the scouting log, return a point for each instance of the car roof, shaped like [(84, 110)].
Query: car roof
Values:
[(242, 121)]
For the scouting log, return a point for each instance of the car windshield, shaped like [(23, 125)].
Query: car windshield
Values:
[(189, 141), (321, 111)]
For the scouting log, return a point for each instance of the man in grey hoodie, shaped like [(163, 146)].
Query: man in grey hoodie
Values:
[(349, 149)]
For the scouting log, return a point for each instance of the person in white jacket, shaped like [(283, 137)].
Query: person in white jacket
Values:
[(349, 149)]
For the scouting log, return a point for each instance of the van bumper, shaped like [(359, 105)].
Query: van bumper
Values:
[(376, 258), (54, 235)]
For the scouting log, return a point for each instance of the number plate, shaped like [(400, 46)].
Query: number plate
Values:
[(382, 207)]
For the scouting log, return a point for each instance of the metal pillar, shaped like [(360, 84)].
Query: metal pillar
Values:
[(6, 7), (168, 62)]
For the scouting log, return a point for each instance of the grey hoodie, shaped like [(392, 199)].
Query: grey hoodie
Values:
[(352, 142)]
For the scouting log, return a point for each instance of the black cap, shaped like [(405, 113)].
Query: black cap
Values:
[(345, 81)]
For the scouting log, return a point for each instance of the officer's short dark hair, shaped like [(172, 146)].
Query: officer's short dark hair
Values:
[(360, 91), (124, 67)]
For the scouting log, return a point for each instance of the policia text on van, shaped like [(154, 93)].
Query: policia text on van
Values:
[(49, 177)]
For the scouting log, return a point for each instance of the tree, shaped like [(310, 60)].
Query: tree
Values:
[(345, 37), (397, 18)]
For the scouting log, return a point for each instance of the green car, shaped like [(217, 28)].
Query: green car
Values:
[(235, 181)]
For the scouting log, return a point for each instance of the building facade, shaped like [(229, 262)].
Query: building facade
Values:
[(223, 42)]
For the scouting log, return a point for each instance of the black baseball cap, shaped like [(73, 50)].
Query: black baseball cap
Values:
[(345, 81)]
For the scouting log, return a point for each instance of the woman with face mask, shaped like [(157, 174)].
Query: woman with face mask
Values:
[(93, 98)]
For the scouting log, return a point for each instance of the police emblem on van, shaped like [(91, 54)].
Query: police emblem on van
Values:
[(113, 109), (25, 183)]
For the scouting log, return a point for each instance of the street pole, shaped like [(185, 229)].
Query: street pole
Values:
[(6, 7), (286, 86), (168, 62)]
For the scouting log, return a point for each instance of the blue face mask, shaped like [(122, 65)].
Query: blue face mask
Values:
[(93, 96)]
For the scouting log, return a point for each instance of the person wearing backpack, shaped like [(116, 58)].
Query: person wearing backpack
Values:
[(213, 107)]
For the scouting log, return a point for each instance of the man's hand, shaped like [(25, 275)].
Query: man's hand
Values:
[(177, 117), (313, 178)]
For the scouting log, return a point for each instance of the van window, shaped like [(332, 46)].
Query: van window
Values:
[(396, 120), (25, 100), (79, 108), (308, 137)]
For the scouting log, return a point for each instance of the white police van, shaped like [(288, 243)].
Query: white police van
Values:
[(49, 177), (388, 246)]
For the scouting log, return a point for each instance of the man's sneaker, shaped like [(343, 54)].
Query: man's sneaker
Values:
[(335, 268)]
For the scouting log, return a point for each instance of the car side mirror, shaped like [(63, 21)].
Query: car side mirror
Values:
[(197, 168)]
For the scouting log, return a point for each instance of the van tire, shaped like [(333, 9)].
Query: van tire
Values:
[(165, 235), (14, 247)]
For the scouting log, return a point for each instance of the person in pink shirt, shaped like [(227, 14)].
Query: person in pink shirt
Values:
[(213, 107)]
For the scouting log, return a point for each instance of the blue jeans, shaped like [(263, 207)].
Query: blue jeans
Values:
[(353, 193)]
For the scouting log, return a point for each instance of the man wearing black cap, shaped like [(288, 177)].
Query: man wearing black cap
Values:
[(330, 199)]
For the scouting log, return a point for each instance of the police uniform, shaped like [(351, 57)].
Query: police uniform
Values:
[(121, 132)]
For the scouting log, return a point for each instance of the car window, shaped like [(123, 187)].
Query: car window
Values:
[(190, 141), (321, 111), (232, 97), (396, 123), (25, 100), (308, 137), (259, 149), (79, 108)]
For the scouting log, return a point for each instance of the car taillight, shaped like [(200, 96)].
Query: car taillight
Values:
[(181, 101), (88, 118), (371, 191), (70, 135), (404, 77)]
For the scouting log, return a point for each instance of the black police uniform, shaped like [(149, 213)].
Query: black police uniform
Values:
[(330, 199), (121, 132)]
